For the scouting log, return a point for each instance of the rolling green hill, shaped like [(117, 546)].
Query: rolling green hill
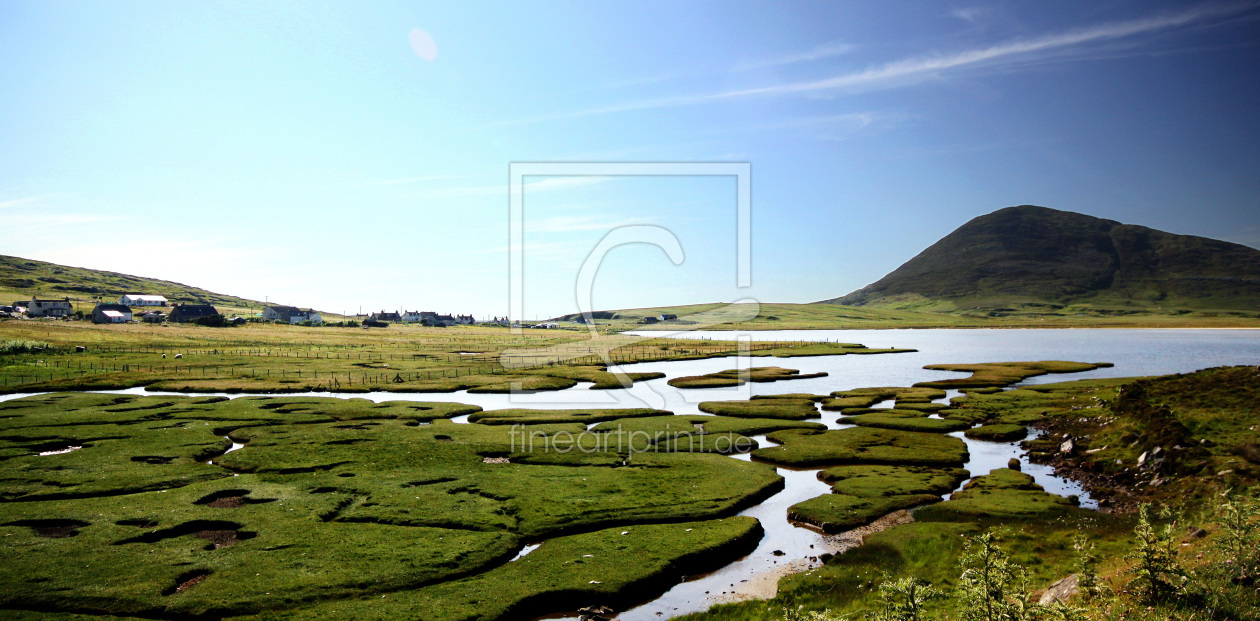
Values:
[(22, 279), (1030, 258)]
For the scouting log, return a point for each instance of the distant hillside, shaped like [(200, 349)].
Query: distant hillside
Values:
[(21, 279), (1030, 256)]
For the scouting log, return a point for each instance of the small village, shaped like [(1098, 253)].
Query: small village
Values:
[(156, 309)]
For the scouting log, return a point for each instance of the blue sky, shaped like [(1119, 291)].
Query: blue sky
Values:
[(349, 156)]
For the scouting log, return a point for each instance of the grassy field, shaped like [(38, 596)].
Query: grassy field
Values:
[(778, 316), (275, 358)]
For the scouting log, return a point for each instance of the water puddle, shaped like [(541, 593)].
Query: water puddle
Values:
[(68, 449), (525, 550)]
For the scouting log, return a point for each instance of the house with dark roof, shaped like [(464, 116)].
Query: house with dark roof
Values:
[(184, 313), (386, 316), (49, 308), (111, 313), (291, 314)]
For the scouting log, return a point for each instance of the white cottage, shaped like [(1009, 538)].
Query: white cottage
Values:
[(136, 299)]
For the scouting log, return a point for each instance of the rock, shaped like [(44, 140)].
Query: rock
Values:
[(1142, 459), (778, 553), (1059, 591), (1197, 533), (1067, 447), (1225, 472), (1075, 500), (1013, 464)]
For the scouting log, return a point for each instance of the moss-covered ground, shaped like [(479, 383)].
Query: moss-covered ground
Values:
[(789, 408), (905, 420), (998, 432), (333, 500), (738, 377), (866, 397), (1001, 494), (996, 374), (615, 567), (834, 513), (874, 481), (862, 445)]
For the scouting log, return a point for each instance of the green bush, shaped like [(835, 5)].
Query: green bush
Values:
[(22, 347)]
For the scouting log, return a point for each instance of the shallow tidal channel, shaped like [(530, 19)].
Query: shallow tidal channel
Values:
[(787, 547)]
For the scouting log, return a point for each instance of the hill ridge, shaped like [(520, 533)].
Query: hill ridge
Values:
[(22, 278), (1032, 255)]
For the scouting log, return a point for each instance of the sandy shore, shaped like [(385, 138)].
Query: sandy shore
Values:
[(765, 585)]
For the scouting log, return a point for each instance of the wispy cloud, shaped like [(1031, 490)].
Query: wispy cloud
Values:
[(972, 14), (834, 126), (915, 70), (546, 184), (17, 222), (568, 224), (821, 52), (26, 201), (398, 181)]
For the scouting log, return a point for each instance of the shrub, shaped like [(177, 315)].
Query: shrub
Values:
[(1157, 576), (991, 587), (22, 347), (1087, 581), (903, 600), (213, 321), (1240, 536)]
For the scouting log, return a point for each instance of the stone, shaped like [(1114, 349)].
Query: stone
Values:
[(1013, 464), (1142, 459), (1060, 591), (1067, 447)]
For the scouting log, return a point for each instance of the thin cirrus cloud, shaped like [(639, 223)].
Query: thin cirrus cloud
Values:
[(821, 52), (914, 70)]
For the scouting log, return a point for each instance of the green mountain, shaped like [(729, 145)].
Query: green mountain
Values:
[(1027, 257), (22, 279)]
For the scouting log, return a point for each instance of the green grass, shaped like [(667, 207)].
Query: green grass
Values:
[(896, 419), (1001, 494), (834, 513), (737, 377), (875, 481), (979, 314), (707, 434), (930, 551), (866, 397), (863, 445), (996, 374), (329, 500), (528, 417), (998, 432), (22, 279), (786, 408), (613, 567), (272, 358)]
